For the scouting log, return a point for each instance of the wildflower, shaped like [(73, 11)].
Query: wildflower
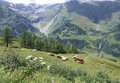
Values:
[(40, 57), (48, 67), (43, 63), (35, 58), (34, 50), (29, 57)]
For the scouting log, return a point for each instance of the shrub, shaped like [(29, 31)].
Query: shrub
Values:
[(33, 66), (102, 77), (84, 76), (81, 73), (11, 60), (80, 76), (64, 71)]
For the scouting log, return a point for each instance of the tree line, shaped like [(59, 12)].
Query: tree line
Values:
[(29, 40)]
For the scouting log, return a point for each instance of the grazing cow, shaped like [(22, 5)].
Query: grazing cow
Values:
[(51, 54), (78, 60), (81, 62), (62, 58), (59, 57)]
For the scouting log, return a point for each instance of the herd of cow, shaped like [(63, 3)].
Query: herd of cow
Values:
[(63, 58)]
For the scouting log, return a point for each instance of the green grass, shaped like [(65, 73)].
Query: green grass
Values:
[(92, 64), (37, 77)]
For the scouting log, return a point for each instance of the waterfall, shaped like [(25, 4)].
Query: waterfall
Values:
[(100, 44), (46, 28), (97, 27)]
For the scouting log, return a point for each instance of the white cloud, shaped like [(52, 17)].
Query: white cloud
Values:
[(93, 0), (37, 1), (20, 1), (48, 1)]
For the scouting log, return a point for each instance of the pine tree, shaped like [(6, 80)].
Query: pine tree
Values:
[(7, 36), (24, 39), (33, 41), (58, 48), (51, 44), (67, 47), (37, 44), (73, 49), (29, 40)]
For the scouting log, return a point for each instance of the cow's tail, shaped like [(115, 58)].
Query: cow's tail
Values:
[(85, 57)]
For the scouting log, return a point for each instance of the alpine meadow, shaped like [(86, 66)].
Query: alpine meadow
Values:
[(73, 41)]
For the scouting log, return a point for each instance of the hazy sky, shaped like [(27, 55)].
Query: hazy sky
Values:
[(37, 1), (47, 1)]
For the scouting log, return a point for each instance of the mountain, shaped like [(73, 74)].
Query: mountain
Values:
[(40, 16), (90, 26), (17, 22)]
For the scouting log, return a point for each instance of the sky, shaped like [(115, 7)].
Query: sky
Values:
[(37, 1), (47, 1)]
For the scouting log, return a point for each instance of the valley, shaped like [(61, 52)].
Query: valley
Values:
[(89, 29)]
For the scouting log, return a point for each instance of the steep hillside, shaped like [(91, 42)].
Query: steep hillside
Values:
[(18, 23), (99, 20), (40, 16), (91, 66), (89, 26)]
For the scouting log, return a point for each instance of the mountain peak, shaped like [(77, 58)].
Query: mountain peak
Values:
[(84, 1)]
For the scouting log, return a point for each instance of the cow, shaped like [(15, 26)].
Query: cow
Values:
[(62, 58), (51, 54), (78, 60), (81, 62), (59, 57)]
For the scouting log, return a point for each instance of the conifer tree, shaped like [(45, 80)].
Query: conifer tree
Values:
[(33, 41), (7, 36), (29, 40), (37, 44), (24, 39), (67, 47), (73, 49)]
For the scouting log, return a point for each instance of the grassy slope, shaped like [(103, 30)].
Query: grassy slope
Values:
[(92, 64)]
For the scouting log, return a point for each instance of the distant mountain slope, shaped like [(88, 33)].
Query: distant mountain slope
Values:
[(95, 11), (89, 26), (40, 16), (18, 23), (99, 20)]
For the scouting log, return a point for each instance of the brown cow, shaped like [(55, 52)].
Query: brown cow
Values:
[(62, 58), (51, 54), (81, 62), (78, 60), (59, 57)]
